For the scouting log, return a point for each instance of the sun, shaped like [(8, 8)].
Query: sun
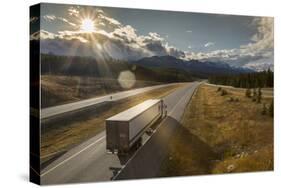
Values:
[(87, 25)]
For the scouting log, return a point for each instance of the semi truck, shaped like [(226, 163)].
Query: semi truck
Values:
[(124, 131)]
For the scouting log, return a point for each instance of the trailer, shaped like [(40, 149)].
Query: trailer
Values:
[(125, 130)]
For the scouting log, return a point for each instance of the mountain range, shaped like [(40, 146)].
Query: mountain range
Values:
[(194, 67)]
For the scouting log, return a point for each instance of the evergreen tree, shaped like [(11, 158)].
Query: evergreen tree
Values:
[(259, 95), (271, 109), (223, 92), (254, 98), (248, 93), (264, 109), (245, 80)]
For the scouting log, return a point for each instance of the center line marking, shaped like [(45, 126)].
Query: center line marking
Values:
[(90, 145), (183, 97)]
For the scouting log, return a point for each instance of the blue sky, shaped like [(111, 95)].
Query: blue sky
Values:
[(237, 40), (190, 29)]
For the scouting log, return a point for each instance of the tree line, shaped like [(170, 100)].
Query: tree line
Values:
[(111, 68), (247, 80)]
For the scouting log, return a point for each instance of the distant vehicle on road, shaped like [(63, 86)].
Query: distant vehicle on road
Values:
[(125, 130)]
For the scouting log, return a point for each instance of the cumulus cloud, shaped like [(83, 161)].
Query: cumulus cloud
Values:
[(263, 40), (259, 51), (113, 39), (109, 20), (73, 11), (42, 35), (66, 21), (110, 38), (51, 18)]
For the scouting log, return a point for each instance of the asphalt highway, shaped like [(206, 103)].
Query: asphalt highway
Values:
[(60, 109), (89, 162)]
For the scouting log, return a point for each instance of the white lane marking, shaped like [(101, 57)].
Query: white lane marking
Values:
[(177, 103), (138, 150), (129, 160), (56, 110), (51, 169)]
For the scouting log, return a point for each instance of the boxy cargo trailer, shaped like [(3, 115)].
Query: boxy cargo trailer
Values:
[(125, 130)]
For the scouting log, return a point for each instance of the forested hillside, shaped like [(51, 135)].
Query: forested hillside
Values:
[(250, 80), (110, 68)]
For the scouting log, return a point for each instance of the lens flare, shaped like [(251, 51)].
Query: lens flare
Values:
[(127, 79)]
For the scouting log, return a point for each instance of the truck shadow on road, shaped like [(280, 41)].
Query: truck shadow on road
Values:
[(123, 158), (170, 145)]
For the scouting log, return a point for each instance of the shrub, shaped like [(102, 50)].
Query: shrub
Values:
[(231, 99), (264, 109), (271, 109), (248, 93), (254, 98), (223, 92), (258, 98)]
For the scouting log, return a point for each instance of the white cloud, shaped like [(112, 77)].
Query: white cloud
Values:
[(113, 38), (42, 35), (259, 52), (73, 11), (66, 21), (120, 41), (263, 40), (108, 21), (49, 17), (208, 44)]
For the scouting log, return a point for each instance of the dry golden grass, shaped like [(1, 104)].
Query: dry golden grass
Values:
[(187, 155), (267, 92), (65, 135), (237, 137)]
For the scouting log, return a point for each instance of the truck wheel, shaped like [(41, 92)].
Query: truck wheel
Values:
[(139, 143)]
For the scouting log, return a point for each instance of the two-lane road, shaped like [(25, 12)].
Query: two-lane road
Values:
[(89, 161)]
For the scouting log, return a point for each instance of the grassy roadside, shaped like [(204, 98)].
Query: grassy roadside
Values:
[(57, 90), (220, 135), (75, 130)]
